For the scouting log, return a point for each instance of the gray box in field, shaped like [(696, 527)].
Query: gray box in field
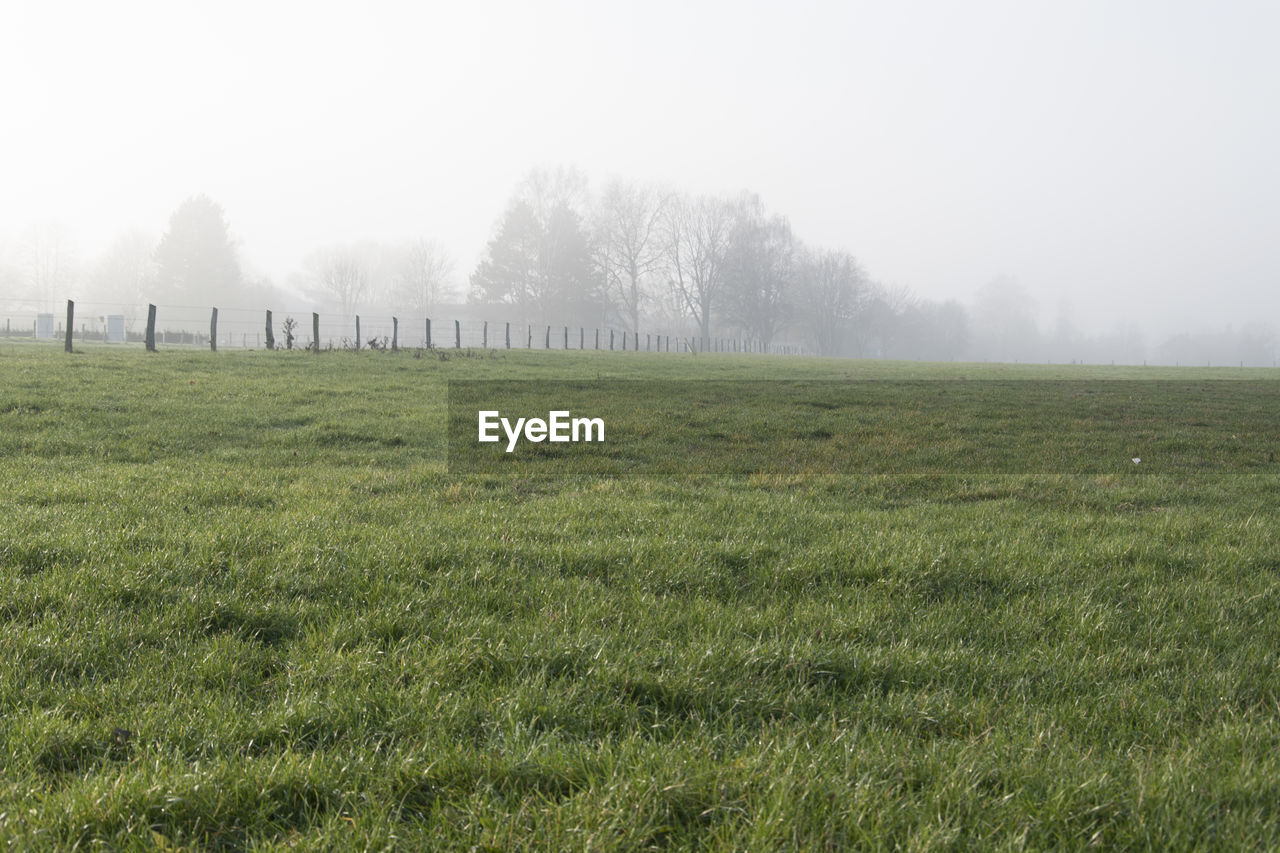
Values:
[(115, 329)]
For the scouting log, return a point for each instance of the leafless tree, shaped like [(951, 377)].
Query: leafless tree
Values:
[(833, 294), (341, 273), (697, 242), (421, 273), (760, 271), (126, 271), (47, 263), (629, 243)]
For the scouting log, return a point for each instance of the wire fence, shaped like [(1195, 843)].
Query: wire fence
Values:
[(213, 328)]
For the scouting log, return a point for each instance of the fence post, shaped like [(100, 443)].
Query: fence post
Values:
[(151, 328), (457, 334), (71, 315), (611, 340), (647, 336), (508, 336), (315, 331), (271, 336), (357, 333), (566, 337), (597, 339), (484, 336), (213, 331), (582, 338), (395, 334), (547, 345), (529, 343), (428, 333), (636, 345)]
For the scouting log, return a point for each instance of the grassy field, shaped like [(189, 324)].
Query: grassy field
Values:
[(244, 603)]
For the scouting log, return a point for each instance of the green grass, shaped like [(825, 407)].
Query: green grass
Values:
[(243, 603)]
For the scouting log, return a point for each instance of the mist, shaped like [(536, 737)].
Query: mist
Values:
[(1004, 181)]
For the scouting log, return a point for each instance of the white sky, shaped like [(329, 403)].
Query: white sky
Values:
[(1121, 154)]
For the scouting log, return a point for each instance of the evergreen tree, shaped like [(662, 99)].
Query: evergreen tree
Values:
[(196, 260)]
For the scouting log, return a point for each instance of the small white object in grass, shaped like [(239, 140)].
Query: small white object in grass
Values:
[(1136, 460)]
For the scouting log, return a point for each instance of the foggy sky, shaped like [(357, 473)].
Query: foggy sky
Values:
[(1117, 156)]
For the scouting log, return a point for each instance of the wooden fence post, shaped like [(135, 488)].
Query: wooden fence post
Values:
[(529, 343), (484, 336), (547, 344), (508, 336), (151, 329), (457, 334), (597, 339), (315, 331), (213, 331), (357, 333), (271, 335), (395, 334), (611, 340), (71, 315), (428, 333), (566, 337), (582, 338)]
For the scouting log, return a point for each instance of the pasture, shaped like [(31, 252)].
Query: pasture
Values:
[(245, 604)]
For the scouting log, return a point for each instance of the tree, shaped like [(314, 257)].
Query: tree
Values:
[(1004, 322), (697, 242), (126, 271), (629, 244), (509, 272), (341, 273), (833, 293), (421, 271), (542, 266), (570, 292), (48, 264), (196, 260), (759, 271)]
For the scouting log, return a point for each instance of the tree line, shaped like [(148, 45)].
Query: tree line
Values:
[(629, 256), (642, 256)]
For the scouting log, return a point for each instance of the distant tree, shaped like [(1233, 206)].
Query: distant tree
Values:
[(543, 266), (48, 264), (126, 271), (698, 232), (922, 330), (341, 273), (420, 272), (1004, 322), (196, 260), (760, 271), (570, 291), (509, 271), (832, 295), (629, 245)]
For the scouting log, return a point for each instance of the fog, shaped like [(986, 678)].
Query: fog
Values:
[(1108, 169)]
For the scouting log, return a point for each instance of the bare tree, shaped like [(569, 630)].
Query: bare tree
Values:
[(545, 190), (629, 243), (833, 293), (697, 242), (760, 271), (126, 271), (47, 263), (421, 273), (342, 274)]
